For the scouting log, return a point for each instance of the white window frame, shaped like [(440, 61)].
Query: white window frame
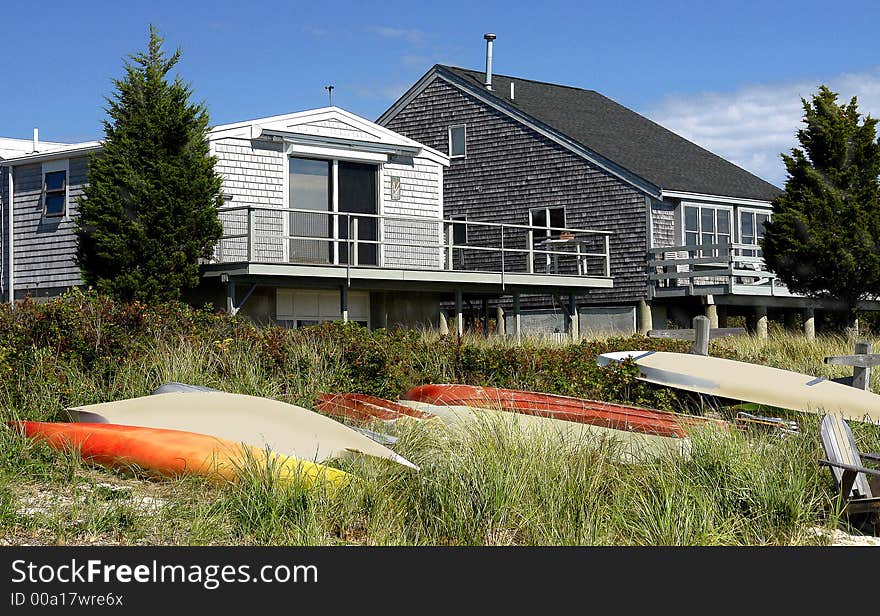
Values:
[(464, 140), (334, 200), (548, 233), (54, 166), (712, 206), (753, 211)]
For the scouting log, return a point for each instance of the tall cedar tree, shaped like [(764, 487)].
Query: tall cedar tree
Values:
[(150, 207), (823, 239)]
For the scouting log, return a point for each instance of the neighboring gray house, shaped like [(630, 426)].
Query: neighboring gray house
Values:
[(685, 223), (326, 216)]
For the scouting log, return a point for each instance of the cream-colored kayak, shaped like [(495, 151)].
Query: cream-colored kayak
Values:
[(261, 422), (751, 383), (631, 446)]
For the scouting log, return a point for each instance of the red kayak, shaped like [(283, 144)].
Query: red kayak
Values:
[(580, 410), (362, 407), (172, 452)]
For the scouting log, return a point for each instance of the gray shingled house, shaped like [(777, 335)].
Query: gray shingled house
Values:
[(685, 222), (326, 215)]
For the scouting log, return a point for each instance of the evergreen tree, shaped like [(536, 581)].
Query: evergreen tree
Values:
[(823, 238), (150, 207)]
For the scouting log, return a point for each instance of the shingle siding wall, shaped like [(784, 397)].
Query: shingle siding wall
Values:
[(253, 174), (45, 247), (419, 197), (510, 168), (663, 223)]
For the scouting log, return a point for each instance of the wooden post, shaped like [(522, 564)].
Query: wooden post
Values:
[(761, 321), (573, 324), (701, 336), (485, 311), (862, 376), (500, 325), (645, 319), (810, 323), (517, 324), (230, 297), (459, 314)]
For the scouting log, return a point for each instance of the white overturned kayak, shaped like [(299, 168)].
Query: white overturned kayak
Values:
[(751, 383), (633, 446), (262, 422)]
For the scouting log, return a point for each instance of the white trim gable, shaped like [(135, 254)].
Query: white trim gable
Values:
[(328, 127)]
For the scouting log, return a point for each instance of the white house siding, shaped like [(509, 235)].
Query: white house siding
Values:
[(253, 175), (420, 182), (45, 248)]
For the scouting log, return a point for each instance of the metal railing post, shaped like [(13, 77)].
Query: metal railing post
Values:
[(530, 266), (354, 242), (250, 234), (450, 243), (608, 256)]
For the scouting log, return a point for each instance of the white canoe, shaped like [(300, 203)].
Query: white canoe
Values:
[(751, 383), (261, 422), (631, 446)]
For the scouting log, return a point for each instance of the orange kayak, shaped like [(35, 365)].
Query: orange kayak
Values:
[(580, 410), (174, 452), (362, 407)]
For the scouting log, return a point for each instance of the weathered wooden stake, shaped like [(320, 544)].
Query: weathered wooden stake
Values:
[(862, 376), (701, 336)]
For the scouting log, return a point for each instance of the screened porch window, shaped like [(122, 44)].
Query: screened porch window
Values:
[(707, 225), (751, 230)]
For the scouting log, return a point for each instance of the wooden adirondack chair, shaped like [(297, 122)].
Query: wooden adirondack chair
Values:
[(854, 479)]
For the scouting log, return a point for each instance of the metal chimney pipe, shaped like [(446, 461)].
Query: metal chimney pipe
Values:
[(36, 139), (489, 38)]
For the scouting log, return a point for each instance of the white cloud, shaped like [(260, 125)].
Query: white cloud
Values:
[(752, 126), (409, 35)]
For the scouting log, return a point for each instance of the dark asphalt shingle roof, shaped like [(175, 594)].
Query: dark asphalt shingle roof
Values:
[(624, 137)]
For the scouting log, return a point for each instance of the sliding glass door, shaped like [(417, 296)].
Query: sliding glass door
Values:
[(310, 190)]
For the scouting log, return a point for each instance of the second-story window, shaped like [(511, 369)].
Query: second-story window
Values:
[(55, 188), (457, 141)]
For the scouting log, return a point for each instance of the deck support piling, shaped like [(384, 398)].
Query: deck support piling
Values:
[(712, 315), (230, 297), (459, 315), (517, 324), (573, 325), (343, 302), (485, 311), (810, 323), (645, 318), (500, 325), (444, 325), (761, 322)]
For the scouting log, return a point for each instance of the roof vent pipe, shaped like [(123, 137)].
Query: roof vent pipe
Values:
[(36, 139), (511, 90), (489, 38)]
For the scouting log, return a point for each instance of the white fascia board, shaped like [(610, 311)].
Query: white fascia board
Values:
[(498, 104), (689, 196), (353, 154), (79, 150)]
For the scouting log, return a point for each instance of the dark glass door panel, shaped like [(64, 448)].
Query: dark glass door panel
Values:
[(358, 195)]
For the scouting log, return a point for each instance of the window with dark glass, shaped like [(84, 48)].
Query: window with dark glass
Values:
[(311, 194), (457, 141), (56, 193)]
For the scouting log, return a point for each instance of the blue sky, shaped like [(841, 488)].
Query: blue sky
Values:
[(728, 76)]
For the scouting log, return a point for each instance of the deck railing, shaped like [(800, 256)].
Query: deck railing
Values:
[(711, 268), (263, 234)]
